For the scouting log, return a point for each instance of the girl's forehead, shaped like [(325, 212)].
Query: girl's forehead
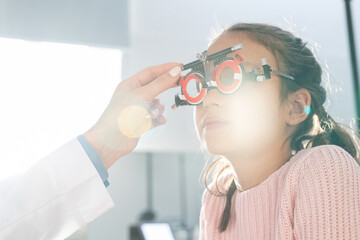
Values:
[(252, 51)]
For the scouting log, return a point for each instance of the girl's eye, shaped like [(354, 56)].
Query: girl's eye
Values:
[(198, 87), (227, 76)]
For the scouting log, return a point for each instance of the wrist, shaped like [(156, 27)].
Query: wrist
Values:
[(107, 155)]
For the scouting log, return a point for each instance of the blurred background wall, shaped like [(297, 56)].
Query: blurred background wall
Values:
[(60, 61)]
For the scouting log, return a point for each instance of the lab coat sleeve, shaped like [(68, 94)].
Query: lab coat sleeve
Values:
[(95, 159), (56, 196)]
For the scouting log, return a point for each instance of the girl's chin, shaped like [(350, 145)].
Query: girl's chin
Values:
[(223, 146), (215, 149)]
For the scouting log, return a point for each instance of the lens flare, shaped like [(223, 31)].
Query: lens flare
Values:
[(134, 121)]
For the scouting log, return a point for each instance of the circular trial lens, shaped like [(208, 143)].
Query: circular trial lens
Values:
[(226, 76), (193, 88)]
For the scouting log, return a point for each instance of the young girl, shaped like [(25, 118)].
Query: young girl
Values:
[(285, 168)]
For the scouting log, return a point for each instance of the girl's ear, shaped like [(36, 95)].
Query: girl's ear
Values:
[(296, 102)]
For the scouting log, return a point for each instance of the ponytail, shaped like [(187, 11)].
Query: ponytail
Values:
[(226, 214), (331, 132)]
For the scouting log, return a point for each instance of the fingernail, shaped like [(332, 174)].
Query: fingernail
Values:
[(175, 71)]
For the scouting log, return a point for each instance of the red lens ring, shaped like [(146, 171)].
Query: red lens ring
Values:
[(201, 95), (237, 70)]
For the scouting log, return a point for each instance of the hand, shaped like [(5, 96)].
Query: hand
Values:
[(106, 137)]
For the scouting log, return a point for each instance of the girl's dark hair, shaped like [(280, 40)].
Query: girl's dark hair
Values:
[(319, 128)]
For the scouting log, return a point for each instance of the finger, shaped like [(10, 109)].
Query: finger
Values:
[(146, 76), (173, 107), (160, 84), (159, 121), (154, 108), (160, 104)]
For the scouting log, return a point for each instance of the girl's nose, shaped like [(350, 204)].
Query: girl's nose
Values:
[(213, 97)]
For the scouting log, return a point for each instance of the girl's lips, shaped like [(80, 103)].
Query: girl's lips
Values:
[(214, 125), (213, 122)]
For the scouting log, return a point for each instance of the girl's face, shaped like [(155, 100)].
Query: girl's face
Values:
[(250, 121)]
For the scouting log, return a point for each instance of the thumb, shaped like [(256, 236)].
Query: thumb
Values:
[(161, 83)]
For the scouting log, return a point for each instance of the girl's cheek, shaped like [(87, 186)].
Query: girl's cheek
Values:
[(252, 118), (198, 113)]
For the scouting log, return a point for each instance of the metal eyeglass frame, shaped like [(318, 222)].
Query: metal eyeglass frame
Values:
[(201, 73)]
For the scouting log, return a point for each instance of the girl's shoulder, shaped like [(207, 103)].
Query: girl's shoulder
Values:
[(324, 154), (324, 160)]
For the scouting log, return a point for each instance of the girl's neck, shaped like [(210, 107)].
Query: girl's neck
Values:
[(251, 171)]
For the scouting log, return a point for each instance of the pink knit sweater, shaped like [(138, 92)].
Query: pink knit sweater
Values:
[(315, 195)]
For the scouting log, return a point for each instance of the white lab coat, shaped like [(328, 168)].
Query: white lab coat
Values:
[(54, 198)]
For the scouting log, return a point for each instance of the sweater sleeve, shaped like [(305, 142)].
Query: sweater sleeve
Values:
[(327, 204)]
